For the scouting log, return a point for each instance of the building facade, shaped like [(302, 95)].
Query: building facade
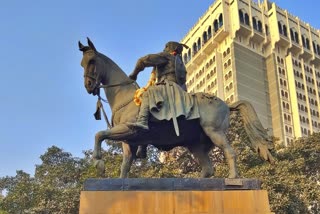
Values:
[(244, 50)]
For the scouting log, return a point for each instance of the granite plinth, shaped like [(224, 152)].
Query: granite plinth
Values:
[(170, 184)]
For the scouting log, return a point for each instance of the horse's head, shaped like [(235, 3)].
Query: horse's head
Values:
[(91, 65)]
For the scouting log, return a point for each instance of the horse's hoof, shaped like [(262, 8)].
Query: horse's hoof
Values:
[(233, 176), (99, 164)]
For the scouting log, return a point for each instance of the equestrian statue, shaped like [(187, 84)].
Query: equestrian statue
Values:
[(164, 114)]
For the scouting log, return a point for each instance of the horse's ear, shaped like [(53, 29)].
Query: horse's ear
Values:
[(81, 46), (91, 45)]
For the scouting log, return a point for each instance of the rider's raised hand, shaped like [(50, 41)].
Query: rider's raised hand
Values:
[(133, 76)]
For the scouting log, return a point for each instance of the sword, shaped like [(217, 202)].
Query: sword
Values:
[(172, 108)]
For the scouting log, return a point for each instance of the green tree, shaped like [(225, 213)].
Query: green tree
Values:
[(20, 193), (58, 180)]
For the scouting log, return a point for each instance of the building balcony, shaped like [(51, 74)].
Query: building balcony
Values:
[(191, 66), (294, 48), (284, 41), (267, 40), (198, 57), (220, 35), (244, 30), (209, 46), (257, 36), (316, 59), (196, 60), (306, 54)]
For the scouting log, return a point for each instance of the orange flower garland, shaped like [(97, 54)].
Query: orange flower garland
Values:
[(139, 92)]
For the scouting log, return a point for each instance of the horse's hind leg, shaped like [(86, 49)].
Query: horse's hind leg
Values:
[(218, 137), (127, 158), (201, 154)]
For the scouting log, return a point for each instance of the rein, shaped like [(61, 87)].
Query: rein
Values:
[(118, 84), (99, 107)]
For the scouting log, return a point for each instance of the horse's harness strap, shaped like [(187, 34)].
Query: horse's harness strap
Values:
[(100, 106), (118, 84), (97, 114)]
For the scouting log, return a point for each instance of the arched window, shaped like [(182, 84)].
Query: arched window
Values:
[(185, 58), (194, 48), (224, 54), (291, 34), (296, 36), (220, 20), (246, 19), (199, 44), (280, 28), (259, 26), (284, 28), (241, 16), (216, 25), (204, 37), (303, 41), (307, 44), (209, 32), (254, 23)]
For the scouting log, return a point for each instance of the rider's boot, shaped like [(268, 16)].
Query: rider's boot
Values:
[(143, 116)]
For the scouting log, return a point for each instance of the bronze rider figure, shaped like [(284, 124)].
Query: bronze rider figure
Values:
[(169, 66)]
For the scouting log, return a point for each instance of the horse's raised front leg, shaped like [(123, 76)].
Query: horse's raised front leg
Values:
[(119, 132), (219, 138), (98, 163)]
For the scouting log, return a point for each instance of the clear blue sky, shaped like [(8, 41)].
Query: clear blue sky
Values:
[(43, 101)]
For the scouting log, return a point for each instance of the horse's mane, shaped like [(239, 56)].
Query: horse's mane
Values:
[(110, 63)]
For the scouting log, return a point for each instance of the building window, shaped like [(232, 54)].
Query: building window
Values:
[(209, 32), (241, 16), (303, 41), (204, 37), (246, 19), (266, 29), (254, 23), (280, 28)]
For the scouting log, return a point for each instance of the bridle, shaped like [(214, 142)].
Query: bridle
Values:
[(97, 86)]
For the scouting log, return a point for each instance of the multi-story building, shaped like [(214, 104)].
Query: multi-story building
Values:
[(244, 50)]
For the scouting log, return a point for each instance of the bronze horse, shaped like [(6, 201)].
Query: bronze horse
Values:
[(198, 135)]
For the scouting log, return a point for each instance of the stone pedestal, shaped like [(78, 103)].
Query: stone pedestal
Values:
[(173, 196)]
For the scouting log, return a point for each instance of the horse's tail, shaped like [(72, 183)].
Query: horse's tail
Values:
[(258, 136)]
